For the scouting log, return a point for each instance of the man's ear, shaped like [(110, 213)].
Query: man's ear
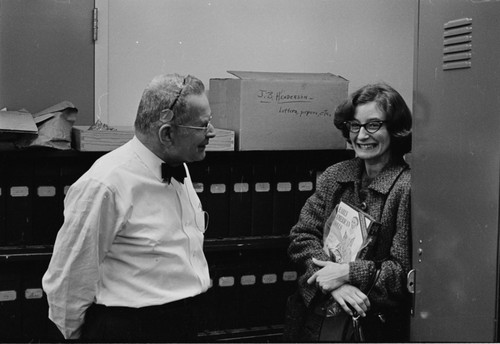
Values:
[(165, 134)]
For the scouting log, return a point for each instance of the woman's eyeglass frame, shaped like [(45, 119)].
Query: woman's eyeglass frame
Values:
[(370, 127)]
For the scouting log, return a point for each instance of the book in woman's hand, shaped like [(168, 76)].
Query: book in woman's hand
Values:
[(346, 233)]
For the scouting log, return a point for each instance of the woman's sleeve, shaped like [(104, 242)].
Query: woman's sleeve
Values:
[(306, 237)]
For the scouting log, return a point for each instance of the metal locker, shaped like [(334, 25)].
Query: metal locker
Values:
[(455, 171)]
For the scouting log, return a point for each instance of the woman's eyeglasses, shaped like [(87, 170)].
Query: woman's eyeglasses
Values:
[(371, 127)]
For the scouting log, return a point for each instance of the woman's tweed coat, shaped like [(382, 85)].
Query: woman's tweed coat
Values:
[(387, 203)]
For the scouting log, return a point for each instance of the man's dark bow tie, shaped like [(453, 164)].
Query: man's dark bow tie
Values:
[(178, 173)]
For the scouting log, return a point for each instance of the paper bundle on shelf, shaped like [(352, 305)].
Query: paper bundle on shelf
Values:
[(86, 140)]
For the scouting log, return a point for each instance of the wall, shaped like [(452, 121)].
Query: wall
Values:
[(362, 40)]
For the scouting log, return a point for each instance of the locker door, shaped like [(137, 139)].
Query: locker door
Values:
[(455, 171), (47, 55)]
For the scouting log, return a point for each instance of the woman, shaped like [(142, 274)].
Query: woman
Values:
[(376, 121)]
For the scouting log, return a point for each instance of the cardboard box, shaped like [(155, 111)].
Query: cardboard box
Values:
[(279, 111), (106, 140)]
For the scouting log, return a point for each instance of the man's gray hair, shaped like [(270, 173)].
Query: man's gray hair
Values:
[(166, 93)]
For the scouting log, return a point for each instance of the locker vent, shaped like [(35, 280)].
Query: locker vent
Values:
[(457, 44)]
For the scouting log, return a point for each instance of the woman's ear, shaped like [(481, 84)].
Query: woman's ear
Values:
[(165, 134)]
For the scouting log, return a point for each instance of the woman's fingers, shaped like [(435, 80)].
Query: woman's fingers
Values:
[(358, 305), (352, 299), (320, 262), (344, 306), (312, 279)]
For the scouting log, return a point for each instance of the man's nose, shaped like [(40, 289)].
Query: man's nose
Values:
[(211, 131)]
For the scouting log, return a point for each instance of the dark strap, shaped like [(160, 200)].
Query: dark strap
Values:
[(370, 248), (375, 278), (358, 334)]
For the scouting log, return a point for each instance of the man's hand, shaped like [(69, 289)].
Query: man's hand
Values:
[(350, 295), (331, 276)]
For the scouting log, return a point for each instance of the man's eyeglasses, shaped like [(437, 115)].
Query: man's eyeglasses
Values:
[(167, 115), (372, 127), (178, 95), (206, 128)]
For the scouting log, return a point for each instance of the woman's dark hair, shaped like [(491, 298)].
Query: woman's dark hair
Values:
[(390, 102)]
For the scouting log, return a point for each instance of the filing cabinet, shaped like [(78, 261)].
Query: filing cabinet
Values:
[(253, 199)]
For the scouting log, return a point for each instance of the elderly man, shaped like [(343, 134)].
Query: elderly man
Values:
[(128, 260)]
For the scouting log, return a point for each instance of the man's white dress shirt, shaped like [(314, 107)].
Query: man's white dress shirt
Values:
[(128, 239)]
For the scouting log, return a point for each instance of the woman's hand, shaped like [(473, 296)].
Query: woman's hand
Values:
[(331, 276), (350, 295)]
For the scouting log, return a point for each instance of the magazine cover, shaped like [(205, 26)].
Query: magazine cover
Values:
[(346, 232)]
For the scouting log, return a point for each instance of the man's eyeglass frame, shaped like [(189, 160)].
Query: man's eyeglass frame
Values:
[(205, 128), (167, 115)]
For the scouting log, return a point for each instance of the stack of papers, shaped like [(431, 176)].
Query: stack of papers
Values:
[(17, 122), (100, 140), (86, 140), (223, 141)]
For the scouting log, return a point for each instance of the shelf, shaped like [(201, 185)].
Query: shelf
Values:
[(44, 152), (37, 252), (260, 334), (246, 243), (20, 253), (320, 158)]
